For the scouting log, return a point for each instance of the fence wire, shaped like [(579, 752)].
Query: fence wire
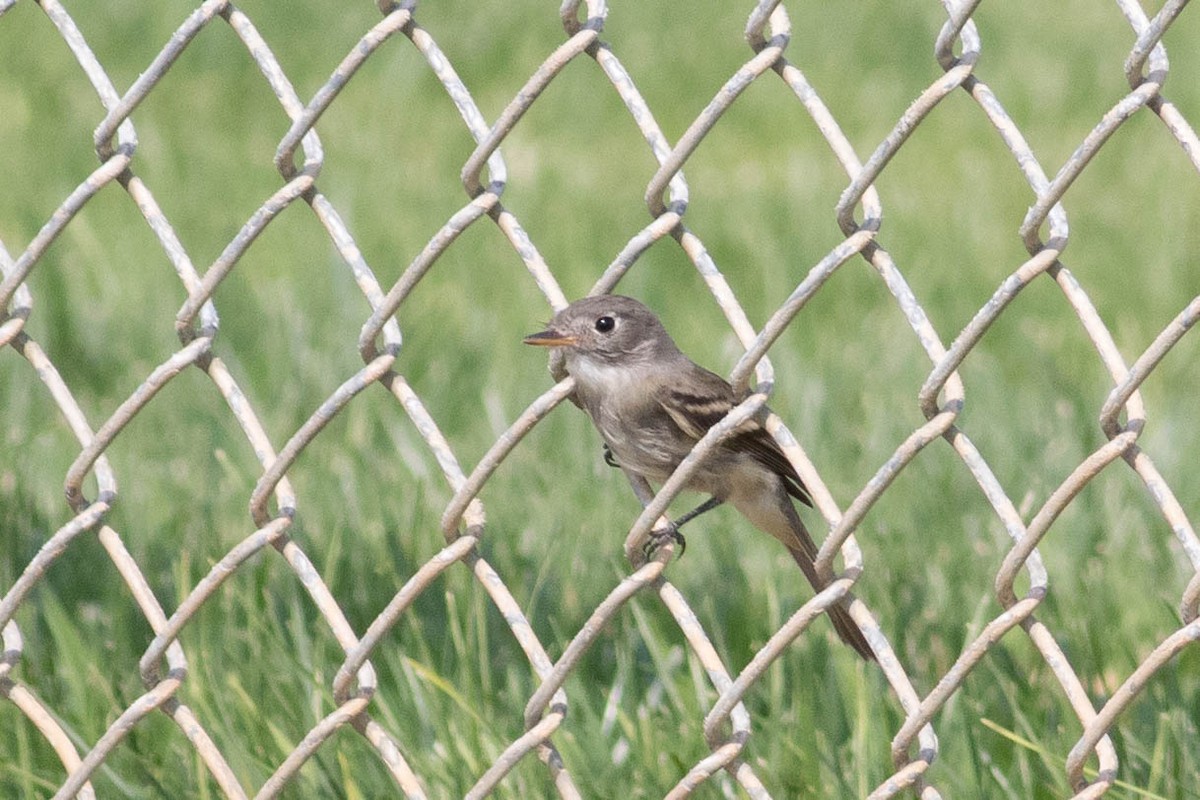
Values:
[(299, 160)]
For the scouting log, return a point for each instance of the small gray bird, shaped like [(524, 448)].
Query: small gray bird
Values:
[(651, 404)]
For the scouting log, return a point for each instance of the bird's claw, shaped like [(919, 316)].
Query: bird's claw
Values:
[(608, 457), (659, 536)]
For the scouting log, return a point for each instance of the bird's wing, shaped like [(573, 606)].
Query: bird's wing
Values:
[(705, 402)]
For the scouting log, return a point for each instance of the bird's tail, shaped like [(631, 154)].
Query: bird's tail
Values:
[(843, 623), (778, 517)]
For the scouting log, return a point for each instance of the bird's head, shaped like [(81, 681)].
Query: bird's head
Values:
[(607, 329)]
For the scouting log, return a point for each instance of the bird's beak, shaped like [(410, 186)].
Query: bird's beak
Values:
[(550, 338)]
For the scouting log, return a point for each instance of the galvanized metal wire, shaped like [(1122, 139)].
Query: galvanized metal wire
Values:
[(299, 160)]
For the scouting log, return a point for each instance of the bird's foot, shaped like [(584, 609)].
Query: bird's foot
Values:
[(609, 458), (659, 536)]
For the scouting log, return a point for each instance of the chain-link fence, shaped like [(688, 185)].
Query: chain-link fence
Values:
[(921, 696)]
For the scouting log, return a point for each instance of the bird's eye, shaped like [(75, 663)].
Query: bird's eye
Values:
[(605, 324)]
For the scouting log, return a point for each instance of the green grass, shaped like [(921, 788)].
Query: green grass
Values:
[(452, 681)]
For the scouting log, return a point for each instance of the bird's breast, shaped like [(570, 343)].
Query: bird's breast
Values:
[(621, 402)]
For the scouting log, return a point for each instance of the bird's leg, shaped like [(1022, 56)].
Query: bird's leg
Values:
[(672, 532), (706, 506), (608, 456)]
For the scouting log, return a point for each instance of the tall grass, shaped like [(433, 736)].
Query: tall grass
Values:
[(453, 682)]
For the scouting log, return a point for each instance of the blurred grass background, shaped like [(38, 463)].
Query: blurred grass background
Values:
[(453, 683)]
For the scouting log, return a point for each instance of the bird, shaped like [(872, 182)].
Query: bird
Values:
[(651, 404)]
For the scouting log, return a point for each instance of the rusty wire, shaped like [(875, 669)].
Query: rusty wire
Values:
[(273, 504)]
